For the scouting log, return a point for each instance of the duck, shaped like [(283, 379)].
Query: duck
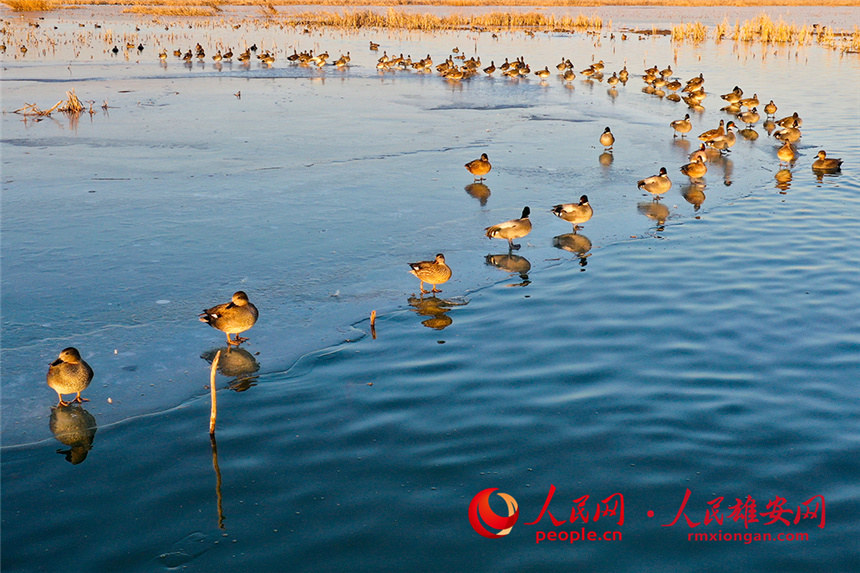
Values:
[(574, 213), (790, 133), (69, 374), (725, 141), (786, 153), (749, 117), (510, 230), (699, 153), (232, 317), (656, 184), (770, 109), (733, 96), (712, 133), (696, 169), (490, 69), (434, 272), (682, 126), (543, 74), (826, 164), (607, 139), (695, 83), (749, 102), (790, 120), (479, 167)]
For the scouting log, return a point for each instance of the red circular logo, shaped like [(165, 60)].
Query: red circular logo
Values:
[(479, 510)]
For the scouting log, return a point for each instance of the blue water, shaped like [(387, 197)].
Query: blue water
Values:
[(710, 346)]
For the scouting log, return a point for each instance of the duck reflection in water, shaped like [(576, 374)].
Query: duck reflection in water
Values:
[(479, 191), (783, 180), (435, 308), (655, 211), (73, 426), (749, 134), (236, 363), (512, 264), (694, 194), (575, 243), (718, 160), (682, 143), (606, 158)]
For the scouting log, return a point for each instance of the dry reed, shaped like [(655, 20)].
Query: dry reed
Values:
[(71, 105), (31, 5), (763, 29), (397, 19), (482, 3), (162, 10)]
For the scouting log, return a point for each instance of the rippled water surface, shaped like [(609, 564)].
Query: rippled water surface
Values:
[(706, 342)]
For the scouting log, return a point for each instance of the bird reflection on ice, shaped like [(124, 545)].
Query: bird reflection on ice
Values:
[(436, 309), (75, 427)]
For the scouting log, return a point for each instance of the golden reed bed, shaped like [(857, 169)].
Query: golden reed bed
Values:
[(760, 29), (190, 5)]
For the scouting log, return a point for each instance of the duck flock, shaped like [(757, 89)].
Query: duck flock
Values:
[(70, 374)]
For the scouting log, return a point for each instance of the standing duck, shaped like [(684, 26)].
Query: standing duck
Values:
[(725, 141), (712, 133), (749, 117), (607, 139), (434, 272), (770, 109), (479, 167), (574, 213), (232, 317), (69, 374), (696, 169), (786, 153), (656, 184), (682, 126), (510, 230)]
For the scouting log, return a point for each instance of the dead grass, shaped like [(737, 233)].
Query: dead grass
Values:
[(31, 5), (764, 30), (71, 105), (572, 3), (355, 19), (164, 10)]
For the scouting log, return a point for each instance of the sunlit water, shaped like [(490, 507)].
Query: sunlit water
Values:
[(709, 341)]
